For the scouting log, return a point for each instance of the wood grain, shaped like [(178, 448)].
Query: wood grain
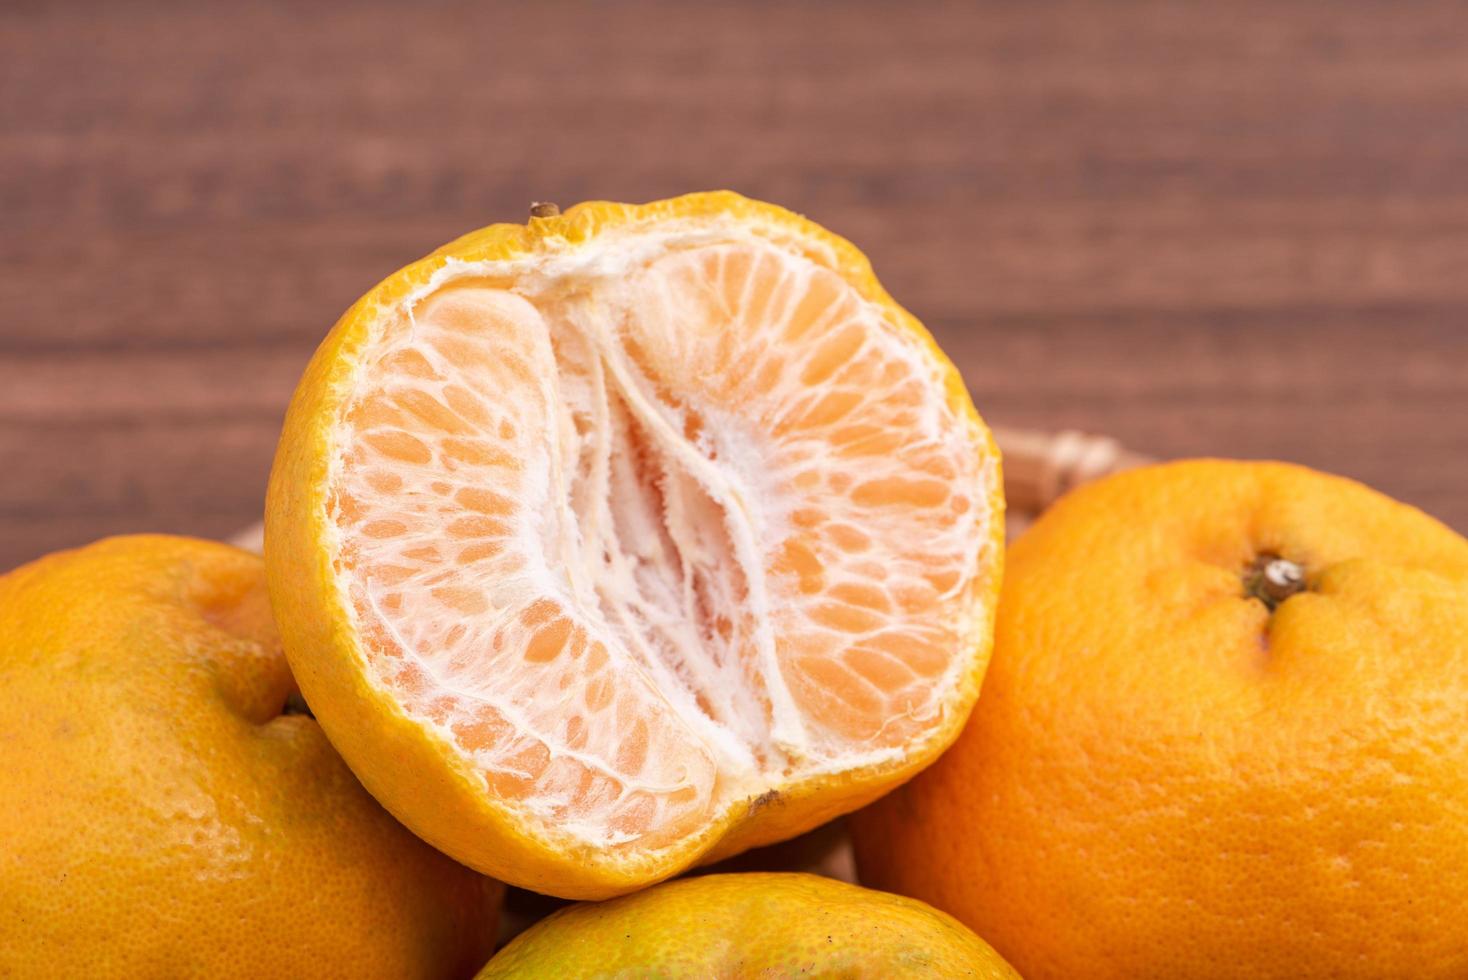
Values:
[(1204, 229)]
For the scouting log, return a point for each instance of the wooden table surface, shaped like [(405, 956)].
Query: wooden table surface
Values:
[(1236, 229)]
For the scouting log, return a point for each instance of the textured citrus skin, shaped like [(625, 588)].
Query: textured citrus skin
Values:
[(418, 776), (160, 817), (1164, 780), (750, 925)]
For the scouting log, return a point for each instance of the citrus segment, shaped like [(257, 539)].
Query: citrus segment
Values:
[(648, 523)]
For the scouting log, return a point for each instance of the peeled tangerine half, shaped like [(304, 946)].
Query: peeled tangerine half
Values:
[(632, 538)]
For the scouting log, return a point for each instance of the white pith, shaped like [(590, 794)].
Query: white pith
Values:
[(719, 719)]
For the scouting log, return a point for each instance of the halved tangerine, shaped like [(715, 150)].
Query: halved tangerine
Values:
[(633, 537)]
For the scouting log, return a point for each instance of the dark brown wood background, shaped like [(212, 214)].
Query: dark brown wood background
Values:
[(1236, 229)]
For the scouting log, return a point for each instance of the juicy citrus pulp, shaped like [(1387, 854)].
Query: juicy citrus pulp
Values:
[(750, 925), (637, 515)]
